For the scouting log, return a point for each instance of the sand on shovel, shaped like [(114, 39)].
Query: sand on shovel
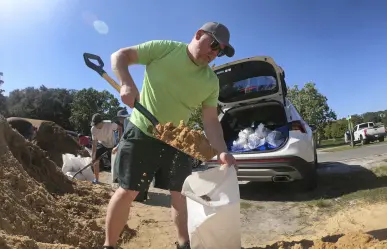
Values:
[(192, 142), (39, 206)]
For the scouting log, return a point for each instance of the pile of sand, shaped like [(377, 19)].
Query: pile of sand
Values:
[(349, 241), (192, 142), (39, 206), (54, 139)]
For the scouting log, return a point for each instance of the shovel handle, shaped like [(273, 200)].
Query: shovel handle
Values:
[(99, 69), (146, 113)]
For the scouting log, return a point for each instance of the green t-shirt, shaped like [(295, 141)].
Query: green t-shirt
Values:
[(173, 85)]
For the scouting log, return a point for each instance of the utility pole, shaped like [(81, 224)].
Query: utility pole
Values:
[(1, 78), (350, 129)]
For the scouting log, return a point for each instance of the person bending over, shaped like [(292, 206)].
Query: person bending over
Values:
[(177, 79)]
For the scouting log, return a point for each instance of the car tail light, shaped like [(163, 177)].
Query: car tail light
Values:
[(297, 126)]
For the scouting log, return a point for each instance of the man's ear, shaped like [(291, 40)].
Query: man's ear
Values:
[(199, 34)]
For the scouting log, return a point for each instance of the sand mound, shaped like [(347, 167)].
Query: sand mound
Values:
[(32, 162), (349, 241), (54, 139), (32, 213)]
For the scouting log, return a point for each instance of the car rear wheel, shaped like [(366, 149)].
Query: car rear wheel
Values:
[(315, 158), (309, 181)]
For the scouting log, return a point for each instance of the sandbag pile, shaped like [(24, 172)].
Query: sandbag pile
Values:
[(259, 139)]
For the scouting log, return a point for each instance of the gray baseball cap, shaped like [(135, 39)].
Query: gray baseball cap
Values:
[(221, 34)]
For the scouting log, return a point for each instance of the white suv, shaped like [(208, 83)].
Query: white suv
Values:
[(253, 94)]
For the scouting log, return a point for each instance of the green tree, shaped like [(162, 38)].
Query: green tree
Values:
[(195, 121), (3, 101), (338, 128), (357, 119), (312, 106), (43, 103), (86, 102)]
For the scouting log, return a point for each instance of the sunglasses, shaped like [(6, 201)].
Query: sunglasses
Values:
[(215, 46)]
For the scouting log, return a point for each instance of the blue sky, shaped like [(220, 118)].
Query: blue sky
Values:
[(340, 45)]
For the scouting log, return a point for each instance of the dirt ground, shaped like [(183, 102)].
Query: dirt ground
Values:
[(351, 199), (41, 208)]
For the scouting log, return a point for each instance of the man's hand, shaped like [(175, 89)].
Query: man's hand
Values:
[(129, 94), (114, 150), (227, 159), (214, 134)]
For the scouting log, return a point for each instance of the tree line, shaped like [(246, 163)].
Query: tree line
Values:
[(73, 109)]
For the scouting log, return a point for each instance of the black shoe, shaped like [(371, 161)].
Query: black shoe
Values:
[(185, 246)]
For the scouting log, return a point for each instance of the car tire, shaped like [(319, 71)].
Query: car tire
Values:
[(363, 141), (309, 181), (315, 158)]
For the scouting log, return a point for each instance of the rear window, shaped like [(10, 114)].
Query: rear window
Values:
[(256, 84), (362, 126), (246, 80)]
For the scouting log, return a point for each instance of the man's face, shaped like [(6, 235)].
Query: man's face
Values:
[(206, 48)]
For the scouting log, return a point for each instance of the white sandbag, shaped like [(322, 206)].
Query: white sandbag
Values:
[(262, 131), (239, 143), (213, 204), (78, 177), (73, 163), (67, 163), (88, 174), (275, 138), (255, 141)]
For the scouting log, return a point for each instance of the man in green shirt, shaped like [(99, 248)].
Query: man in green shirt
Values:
[(177, 79)]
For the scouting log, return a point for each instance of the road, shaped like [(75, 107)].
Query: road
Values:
[(366, 151)]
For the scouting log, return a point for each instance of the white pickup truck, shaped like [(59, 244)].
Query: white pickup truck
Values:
[(368, 132)]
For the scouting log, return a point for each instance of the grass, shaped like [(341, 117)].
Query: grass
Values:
[(320, 203), (347, 147), (371, 188), (331, 143), (248, 205), (341, 148), (245, 205)]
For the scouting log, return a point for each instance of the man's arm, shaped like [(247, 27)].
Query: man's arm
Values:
[(120, 61), (213, 129), (93, 149), (143, 54)]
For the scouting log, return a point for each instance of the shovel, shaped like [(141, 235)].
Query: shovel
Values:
[(99, 69), (80, 171)]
